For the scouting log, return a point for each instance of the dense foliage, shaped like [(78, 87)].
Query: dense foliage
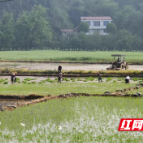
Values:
[(36, 24)]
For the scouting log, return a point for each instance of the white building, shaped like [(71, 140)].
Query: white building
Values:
[(97, 24)]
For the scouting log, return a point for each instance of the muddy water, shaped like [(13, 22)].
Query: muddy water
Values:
[(66, 66)]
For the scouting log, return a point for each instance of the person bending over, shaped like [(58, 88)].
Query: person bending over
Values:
[(60, 68), (13, 78), (127, 79)]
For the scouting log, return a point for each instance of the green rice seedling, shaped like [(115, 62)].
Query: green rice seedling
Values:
[(90, 78), (69, 119), (135, 79), (34, 78), (18, 80), (85, 80), (2, 80), (81, 56), (56, 79), (43, 81), (66, 79), (27, 79), (119, 79), (64, 88), (49, 80), (24, 82), (109, 79), (6, 82), (72, 79), (79, 79), (33, 82)]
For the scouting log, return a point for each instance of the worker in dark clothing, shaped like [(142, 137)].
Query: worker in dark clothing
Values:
[(60, 68), (13, 78), (99, 77)]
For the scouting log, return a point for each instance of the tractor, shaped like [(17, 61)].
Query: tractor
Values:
[(119, 64)]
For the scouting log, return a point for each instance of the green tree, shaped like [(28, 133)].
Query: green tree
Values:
[(111, 28), (124, 40), (6, 31), (84, 27), (33, 29)]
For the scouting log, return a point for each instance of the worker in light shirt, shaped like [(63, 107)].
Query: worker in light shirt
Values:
[(127, 79)]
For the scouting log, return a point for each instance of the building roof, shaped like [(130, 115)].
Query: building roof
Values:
[(66, 30), (96, 18)]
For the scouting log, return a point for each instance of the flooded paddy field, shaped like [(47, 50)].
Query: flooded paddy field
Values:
[(66, 66)]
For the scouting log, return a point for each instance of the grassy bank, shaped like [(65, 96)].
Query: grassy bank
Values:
[(84, 119), (69, 56), (71, 73)]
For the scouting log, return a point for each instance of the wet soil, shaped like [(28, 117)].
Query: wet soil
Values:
[(66, 66), (14, 100)]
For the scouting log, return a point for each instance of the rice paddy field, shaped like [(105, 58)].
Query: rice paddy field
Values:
[(50, 86), (70, 120), (77, 56)]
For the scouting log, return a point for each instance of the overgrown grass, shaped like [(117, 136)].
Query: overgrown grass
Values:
[(55, 88), (84, 119), (83, 56)]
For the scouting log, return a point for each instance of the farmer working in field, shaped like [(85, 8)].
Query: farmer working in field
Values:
[(13, 78), (99, 77), (127, 79), (60, 68)]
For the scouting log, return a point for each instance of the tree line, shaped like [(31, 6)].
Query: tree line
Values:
[(36, 24)]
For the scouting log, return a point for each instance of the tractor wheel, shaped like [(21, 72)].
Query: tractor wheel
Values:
[(126, 67), (122, 66)]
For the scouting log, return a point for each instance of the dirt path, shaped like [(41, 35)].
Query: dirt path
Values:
[(66, 66)]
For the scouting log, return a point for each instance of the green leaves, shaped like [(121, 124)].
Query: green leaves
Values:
[(33, 28), (84, 27), (6, 32)]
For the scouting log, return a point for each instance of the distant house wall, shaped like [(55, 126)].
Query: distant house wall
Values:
[(97, 24), (68, 32)]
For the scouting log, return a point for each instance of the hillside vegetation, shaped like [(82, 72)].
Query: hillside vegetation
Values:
[(36, 24)]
